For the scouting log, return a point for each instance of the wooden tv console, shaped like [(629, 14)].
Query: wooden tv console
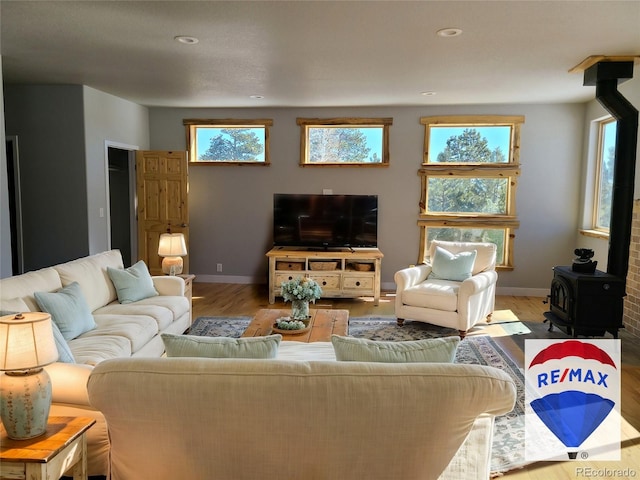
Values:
[(342, 273)]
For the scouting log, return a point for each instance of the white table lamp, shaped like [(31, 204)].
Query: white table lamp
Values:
[(172, 247), (26, 345)]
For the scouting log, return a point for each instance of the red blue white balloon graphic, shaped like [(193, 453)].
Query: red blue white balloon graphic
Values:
[(577, 385)]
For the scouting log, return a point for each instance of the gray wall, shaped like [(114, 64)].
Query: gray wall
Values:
[(49, 123), (63, 133), (5, 233), (231, 206)]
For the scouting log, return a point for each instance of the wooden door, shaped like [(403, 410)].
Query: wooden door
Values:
[(161, 183)]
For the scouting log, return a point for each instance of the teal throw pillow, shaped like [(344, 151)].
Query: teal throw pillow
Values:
[(133, 283), (64, 352), (221, 347), (431, 350), (68, 309), (455, 267)]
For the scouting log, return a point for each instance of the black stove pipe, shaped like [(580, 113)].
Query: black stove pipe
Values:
[(605, 76)]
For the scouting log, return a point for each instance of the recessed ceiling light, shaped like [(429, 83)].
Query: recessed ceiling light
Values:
[(187, 40), (256, 97), (449, 32), (428, 94)]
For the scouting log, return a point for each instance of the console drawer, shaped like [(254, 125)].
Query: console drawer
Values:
[(327, 280), (353, 282)]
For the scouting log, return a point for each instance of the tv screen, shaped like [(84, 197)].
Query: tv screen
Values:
[(305, 220)]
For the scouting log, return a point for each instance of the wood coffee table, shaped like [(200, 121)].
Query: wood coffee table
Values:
[(324, 323)]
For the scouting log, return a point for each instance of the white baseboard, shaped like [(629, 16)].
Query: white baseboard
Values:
[(388, 286)]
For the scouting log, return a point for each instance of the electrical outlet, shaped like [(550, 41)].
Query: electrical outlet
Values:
[(219, 267)]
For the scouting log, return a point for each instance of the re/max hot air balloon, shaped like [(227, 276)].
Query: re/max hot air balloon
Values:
[(572, 415)]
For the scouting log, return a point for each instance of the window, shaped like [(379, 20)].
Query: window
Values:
[(229, 141), (605, 158), (468, 182), (344, 141)]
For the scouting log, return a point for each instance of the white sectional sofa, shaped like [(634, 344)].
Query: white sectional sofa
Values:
[(122, 330)]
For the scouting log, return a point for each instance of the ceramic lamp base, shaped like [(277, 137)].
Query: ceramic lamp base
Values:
[(172, 265), (25, 400)]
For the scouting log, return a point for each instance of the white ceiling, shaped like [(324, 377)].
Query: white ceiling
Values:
[(316, 53)]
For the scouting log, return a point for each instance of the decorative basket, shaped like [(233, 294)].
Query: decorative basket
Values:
[(330, 265), (363, 267), (289, 265)]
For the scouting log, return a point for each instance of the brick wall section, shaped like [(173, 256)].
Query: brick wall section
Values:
[(631, 316)]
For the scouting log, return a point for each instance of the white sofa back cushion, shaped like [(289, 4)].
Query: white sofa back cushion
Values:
[(24, 286), (485, 258), (91, 274)]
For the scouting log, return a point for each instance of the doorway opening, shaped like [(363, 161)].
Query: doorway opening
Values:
[(122, 202)]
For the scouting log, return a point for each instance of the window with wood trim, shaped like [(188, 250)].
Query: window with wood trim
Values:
[(468, 182), (362, 142), (228, 141), (605, 159)]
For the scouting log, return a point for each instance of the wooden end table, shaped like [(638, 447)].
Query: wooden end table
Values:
[(62, 446), (324, 323)]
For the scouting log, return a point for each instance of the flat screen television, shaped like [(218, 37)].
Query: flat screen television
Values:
[(325, 221)]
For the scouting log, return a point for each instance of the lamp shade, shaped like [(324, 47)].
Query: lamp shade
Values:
[(172, 245), (26, 341)]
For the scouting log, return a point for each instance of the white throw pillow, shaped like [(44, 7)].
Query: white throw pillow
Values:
[(221, 347), (430, 350)]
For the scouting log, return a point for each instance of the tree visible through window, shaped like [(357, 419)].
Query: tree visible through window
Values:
[(228, 141), (468, 181), (344, 141)]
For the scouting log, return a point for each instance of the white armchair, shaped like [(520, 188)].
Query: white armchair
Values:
[(448, 303)]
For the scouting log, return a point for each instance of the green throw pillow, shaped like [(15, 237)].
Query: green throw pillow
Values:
[(68, 309), (431, 350), (221, 347), (133, 283), (448, 266)]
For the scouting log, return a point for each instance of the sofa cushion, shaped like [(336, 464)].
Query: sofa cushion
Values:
[(12, 306), (221, 347), (68, 309), (91, 273), (437, 294), (23, 286), (133, 283), (431, 350), (162, 315), (90, 350), (138, 329), (449, 266), (177, 305)]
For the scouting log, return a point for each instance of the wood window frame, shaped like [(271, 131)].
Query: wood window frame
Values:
[(353, 122), (192, 124), (600, 155), (509, 170)]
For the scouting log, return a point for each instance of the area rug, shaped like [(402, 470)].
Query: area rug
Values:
[(508, 436)]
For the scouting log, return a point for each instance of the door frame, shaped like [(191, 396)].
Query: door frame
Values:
[(18, 255), (133, 220)]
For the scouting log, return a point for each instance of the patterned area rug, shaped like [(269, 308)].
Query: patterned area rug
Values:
[(508, 436)]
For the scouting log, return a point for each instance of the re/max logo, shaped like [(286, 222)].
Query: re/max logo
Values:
[(572, 375)]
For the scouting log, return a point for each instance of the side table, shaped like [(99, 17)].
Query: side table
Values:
[(62, 447), (188, 291)]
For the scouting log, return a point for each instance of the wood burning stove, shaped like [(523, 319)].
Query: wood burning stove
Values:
[(587, 304), (591, 303)]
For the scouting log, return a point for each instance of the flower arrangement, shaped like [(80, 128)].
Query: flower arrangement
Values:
[(301, 288), (286, 323)]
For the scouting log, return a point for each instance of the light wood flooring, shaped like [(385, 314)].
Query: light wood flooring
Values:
[(217, 299)]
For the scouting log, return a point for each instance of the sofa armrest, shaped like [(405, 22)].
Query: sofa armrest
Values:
[(69, 382), (169, 285), (477, 283), (408, 277)]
